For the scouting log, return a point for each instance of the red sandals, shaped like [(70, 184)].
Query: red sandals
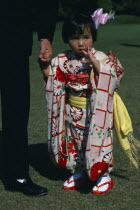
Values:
[(110, 186), (74, 181)]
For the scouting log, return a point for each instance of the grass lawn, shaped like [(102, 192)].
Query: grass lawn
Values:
[(124, 41)]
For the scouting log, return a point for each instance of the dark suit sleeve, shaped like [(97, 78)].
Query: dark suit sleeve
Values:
[(47, 16)]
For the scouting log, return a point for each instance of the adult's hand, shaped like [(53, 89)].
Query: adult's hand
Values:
[(45, 50)]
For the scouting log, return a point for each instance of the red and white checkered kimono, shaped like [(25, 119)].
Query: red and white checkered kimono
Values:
[(81, 136)]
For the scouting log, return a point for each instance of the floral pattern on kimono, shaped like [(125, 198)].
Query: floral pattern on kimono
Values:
[(81, 136)]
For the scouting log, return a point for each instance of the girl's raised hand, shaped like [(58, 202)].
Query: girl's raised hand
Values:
[(90, 60)]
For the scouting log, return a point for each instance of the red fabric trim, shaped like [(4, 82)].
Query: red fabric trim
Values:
[(61, 56), (102, 90), (104, 73), (94, 52), (58, 133), (49, 91), (95, 79), (83, 77), (81, 126), (101, 145), (101, 110), (112, 65), (97, 170), (109, 112)]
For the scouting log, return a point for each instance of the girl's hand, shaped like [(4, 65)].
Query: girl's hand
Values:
[(90, 60), (45, 67)]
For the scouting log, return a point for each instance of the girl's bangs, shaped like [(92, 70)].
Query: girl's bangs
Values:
[(80, 29)]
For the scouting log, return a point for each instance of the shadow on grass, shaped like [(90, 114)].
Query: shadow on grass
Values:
[(85, 189), (130, 45), (40, 160), (89, 184), (119, 174)]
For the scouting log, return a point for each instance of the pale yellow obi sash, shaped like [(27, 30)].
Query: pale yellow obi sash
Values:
[(122, 125), (79, 102)]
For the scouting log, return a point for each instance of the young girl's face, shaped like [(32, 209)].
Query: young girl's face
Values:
[(82, 42)]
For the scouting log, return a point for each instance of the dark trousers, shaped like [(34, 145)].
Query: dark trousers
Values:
[(15, 102)]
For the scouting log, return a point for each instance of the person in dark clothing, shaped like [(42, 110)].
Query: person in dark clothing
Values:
[(16, 47)]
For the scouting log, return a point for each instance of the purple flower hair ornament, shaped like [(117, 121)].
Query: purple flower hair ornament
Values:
[(99, 18)]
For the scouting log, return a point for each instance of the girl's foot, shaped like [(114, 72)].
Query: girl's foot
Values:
[(75, 181), (103, 185)]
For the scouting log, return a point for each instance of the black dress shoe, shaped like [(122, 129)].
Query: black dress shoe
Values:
[(27, 187)]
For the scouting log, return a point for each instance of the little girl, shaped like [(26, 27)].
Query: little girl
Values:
[(80, 88)]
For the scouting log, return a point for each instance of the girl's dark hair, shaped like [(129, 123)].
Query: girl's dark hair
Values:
[(75, 24)]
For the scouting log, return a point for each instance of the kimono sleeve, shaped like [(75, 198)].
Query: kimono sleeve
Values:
[(107, 66)]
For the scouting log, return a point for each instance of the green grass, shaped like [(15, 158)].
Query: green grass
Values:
[(124, 41), (124, 19)]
